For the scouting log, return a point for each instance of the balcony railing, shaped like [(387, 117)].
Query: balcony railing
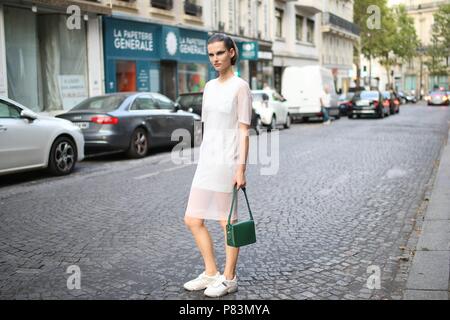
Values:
[(162, 4), (428, 5), (192, 9), (332, 19)]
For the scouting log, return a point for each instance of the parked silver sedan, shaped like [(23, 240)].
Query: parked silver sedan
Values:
[(31, 141), (133, 122)]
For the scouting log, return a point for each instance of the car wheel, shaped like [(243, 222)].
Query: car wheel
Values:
[(259, 126), (273, 124), (287, 125), (138, 144), (337, 117), (63, 156), (350, 116)]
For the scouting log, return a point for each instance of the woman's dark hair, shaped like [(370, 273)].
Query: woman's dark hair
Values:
[(229, 43)]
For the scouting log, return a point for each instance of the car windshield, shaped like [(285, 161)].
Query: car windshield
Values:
[(257, 97), (346, 96), (386, 94), (367, 95), (186, 100), (103, 103), (437, 93)]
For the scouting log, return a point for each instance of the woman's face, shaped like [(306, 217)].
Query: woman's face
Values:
[(219, 56)]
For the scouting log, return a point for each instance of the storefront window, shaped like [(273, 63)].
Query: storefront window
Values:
[(22, 52), (192, 77), (126, 76), (265, 74), (50, 74)]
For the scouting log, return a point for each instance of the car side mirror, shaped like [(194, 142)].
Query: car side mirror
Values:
[(176, 107), (28, 115), (265, 97)]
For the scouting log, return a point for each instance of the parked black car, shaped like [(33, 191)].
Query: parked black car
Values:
[(368, 103), (131, 122), (406, 97), (392, 101), (345, 100), (192, 102)]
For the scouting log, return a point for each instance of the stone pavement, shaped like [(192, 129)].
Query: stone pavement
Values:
[(344, 201), (429, 275)]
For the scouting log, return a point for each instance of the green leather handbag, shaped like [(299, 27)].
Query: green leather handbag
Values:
[(241, 233)]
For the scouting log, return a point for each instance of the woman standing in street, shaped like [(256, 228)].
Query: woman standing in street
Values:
[(226, 113)]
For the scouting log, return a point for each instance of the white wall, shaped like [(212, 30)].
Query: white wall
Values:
[(95, 57), (3, 79)]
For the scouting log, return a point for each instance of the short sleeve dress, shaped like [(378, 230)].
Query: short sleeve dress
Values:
[(224, 106)]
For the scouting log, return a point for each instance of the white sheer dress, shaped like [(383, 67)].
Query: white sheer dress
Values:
[(224, 106)]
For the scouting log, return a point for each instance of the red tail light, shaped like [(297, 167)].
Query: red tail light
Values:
[(396, 102), (386, 103), (375, 103), (105, 120)]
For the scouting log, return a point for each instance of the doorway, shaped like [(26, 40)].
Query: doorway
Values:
[(169, 79), (126, 76)]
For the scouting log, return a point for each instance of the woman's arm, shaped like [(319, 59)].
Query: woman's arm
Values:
[(239, 178)]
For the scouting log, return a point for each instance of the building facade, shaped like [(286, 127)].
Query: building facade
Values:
[(50, 51), (157, 45), (296, 34), (411, 76), (339, 36), (249, 23), (417, 77)]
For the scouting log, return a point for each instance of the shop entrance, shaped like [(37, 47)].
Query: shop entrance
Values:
[(169, 79), (126, 76)]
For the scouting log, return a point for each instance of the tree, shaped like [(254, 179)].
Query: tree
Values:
[(372, 17), (439, 49), (401, 40)]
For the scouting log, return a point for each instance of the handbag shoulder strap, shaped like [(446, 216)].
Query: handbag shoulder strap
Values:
[(233, 202)]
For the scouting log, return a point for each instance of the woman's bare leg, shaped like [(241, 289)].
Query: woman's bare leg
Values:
[(204, 243), (231, 254)]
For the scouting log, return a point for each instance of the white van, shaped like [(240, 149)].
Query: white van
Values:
[(303, 87)]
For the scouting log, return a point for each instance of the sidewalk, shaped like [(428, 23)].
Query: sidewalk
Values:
[(429, 275)]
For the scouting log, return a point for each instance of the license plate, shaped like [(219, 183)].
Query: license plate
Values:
[(82, 125), (363, 111), (362, 103)]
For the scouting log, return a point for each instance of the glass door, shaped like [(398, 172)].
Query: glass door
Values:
[(169, 79), (126, 76)]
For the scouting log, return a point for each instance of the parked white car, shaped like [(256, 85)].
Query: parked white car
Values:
[(31, 141), (271, 108)]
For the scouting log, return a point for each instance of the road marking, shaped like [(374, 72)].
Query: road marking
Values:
[(158, 172)]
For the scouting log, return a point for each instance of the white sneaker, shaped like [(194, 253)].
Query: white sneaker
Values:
[(221, 287), (201, 282)]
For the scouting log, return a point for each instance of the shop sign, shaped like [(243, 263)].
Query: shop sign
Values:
[(128, 39), (72, 90), (248, 50)]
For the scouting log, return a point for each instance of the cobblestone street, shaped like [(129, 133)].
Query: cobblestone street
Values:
[(345, 198)]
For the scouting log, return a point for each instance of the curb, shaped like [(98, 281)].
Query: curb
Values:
[(428, 278)]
